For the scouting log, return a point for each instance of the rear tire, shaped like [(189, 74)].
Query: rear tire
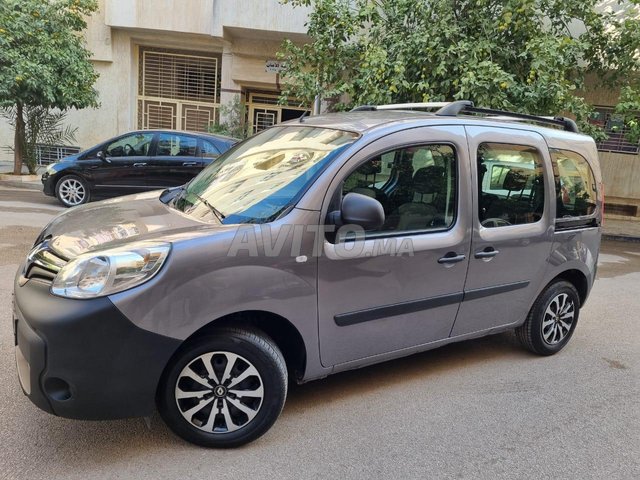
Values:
[(72, 190), (552, 319), (225, 389)]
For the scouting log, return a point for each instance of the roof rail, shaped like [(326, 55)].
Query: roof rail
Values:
[(400, 106), (409, 106), (566, 123), (452, 109)]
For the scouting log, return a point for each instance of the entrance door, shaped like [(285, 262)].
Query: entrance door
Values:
[(266, 111), (401, 286), (511, 227)]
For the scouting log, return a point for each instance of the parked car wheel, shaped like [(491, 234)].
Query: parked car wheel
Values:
[(552, 319), (72, 190), (224, 390)]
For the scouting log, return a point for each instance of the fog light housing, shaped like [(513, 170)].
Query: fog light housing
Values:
[(57, 389)]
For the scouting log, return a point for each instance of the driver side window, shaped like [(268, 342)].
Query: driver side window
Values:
[(136, 145), (417, 187)]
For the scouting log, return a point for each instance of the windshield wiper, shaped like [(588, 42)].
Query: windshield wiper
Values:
[(219, 215)]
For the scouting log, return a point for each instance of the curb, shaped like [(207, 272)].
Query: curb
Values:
[(620, 238), (23, 185)]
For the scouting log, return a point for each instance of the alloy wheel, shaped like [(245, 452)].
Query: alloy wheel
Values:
[(72, 192), (219, 392), (558, 319)]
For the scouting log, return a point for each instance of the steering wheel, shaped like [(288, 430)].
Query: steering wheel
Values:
[(128, 150), (494, 222)]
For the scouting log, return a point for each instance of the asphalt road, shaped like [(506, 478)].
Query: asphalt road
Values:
[(479, 409)]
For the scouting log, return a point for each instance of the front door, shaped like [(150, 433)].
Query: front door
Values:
[(511, 227), (126, 166), (401, 286)]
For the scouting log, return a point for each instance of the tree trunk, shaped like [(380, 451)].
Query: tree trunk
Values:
[(18, 142)]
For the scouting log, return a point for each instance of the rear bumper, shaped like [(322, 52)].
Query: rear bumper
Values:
[(83, 358)]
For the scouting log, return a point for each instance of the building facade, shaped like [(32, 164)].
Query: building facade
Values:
[(173, 64)]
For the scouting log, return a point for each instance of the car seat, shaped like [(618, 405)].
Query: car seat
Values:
[(420, 212)]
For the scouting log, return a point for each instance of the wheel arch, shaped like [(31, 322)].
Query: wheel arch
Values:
[(282, 332), (577, 278)]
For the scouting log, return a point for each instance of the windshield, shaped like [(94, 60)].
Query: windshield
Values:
[(261, 177)]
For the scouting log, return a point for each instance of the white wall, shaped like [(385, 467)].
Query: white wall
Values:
[(267, 15), (188, 16)]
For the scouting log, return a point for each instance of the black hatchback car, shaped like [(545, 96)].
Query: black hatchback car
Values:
[(133, 162)]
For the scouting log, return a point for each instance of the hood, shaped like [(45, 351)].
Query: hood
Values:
[(63, 164), (117, 222)]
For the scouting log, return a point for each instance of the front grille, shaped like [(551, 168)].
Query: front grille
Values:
[(36, 272), (42, 263)]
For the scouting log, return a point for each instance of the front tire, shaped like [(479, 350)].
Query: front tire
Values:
[(72, 190), (552, 319), (224, 390)]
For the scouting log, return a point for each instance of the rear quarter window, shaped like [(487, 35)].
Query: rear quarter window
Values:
[(576, 189)]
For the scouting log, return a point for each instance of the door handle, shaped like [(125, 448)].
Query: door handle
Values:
[(189, 164), (488, 252), (452, 257), (141, 164)]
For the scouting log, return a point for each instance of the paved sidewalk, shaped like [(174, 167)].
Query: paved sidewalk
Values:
[(621, 229), (7, 167), (17, 183)]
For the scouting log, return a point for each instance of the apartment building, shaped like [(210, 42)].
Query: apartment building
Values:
[(173, 63)]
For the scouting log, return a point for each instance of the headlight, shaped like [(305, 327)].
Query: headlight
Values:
[(102, 273)]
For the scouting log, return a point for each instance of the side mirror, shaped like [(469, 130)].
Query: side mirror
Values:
[(102, 156), (361, 210)]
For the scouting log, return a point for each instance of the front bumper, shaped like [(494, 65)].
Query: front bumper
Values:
[(48, 184), (83, 358)]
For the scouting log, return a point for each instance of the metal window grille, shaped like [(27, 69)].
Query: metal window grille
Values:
[(266, 99), (177, 91), (198, 118), (265, 110), (616, 131), (263, 120), (179, 76), (47, 154), (158, 114)]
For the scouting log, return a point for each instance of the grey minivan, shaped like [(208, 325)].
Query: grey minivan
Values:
[(317, 246)]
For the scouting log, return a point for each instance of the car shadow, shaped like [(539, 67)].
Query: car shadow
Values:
[(394, 374)]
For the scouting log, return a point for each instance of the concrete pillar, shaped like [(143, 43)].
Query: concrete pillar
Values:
[(228, 88)]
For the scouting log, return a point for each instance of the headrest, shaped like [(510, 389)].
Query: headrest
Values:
[(428, 179), (516, 179), (372, 167)]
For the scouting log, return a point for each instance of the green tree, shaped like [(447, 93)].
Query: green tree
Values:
[(42, 126), (527, 55), (43, 60), (233, 122)]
